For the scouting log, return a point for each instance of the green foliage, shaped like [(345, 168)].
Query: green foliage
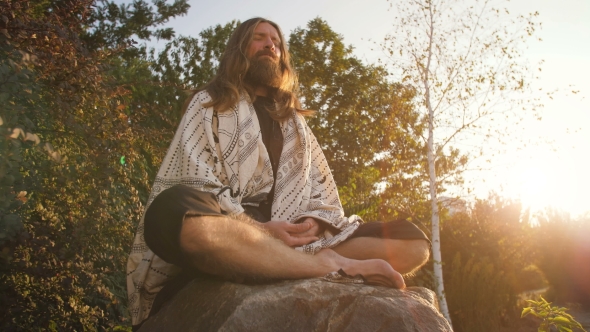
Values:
[(69, 207), (111, 25), (551, 316), (493, 253), (479, 294), (18, 93), (189, 62), (365, 124), (485, 252)]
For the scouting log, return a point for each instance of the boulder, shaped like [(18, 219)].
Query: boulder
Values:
[(300, 305)]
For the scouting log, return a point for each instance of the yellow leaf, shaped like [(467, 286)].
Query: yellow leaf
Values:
[(525, 312), (560, 319), (33, 138), (16, 132)]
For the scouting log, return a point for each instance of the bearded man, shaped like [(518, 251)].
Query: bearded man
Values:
[(245, 193)]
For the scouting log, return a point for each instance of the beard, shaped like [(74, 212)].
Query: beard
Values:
[(264, 71)]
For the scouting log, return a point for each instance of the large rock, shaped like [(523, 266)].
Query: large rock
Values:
[(301, 305)]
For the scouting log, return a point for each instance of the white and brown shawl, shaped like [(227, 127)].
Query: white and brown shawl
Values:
[(214, 150)]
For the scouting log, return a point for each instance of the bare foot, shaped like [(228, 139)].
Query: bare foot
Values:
[(375, 271)]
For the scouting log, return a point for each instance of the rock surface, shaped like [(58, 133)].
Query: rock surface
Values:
[(300, 305)]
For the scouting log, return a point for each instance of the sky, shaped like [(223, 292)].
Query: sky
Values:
[(540, 174)]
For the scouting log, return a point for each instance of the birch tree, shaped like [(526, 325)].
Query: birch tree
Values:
[(465, 60)]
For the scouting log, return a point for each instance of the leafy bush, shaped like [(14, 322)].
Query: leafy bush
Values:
[(486, 253), (552, 317), (69, 205)]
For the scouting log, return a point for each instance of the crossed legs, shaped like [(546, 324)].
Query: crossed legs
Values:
[(233, 249), (405, 256)]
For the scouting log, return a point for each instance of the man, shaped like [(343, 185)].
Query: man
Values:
[(244, 182)]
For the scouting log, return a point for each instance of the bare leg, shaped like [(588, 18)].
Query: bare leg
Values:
[(233, 248), (405, 256)]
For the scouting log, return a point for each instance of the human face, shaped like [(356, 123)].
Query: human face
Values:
[(266, 38)]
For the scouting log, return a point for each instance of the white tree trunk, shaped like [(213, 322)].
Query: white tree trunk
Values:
[(465, 62), (437, 257)]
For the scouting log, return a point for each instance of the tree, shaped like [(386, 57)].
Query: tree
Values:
[(464, 60), (191, 62), (365, 124), (111, 25), (73, 164)]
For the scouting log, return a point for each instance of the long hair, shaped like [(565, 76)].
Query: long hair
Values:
[(228, 83)]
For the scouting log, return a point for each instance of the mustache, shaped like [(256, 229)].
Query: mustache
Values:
[(266, 52)]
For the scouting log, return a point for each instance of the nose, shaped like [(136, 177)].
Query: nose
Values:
[(268, 44)]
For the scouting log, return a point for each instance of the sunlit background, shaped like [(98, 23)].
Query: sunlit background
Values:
[(539, 174)]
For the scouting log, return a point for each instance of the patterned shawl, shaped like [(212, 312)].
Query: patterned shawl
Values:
[(212, 151)]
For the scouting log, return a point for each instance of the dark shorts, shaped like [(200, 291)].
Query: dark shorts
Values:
[(163, 222), (163, 219)]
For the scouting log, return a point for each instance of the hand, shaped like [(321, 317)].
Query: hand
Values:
[(314, 230), (291, 234)]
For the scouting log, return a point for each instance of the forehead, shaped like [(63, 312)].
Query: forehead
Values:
[(266, 29)]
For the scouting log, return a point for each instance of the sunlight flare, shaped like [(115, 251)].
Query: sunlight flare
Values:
[(548, 179)]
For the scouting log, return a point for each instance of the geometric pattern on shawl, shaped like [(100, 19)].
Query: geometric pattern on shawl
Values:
[(212, 151)]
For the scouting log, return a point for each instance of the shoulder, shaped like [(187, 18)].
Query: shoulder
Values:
[(203, 96), (299, 118), (195, 102)]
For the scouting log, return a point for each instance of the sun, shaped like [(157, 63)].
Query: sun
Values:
[(533, 188), (548, 180)]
